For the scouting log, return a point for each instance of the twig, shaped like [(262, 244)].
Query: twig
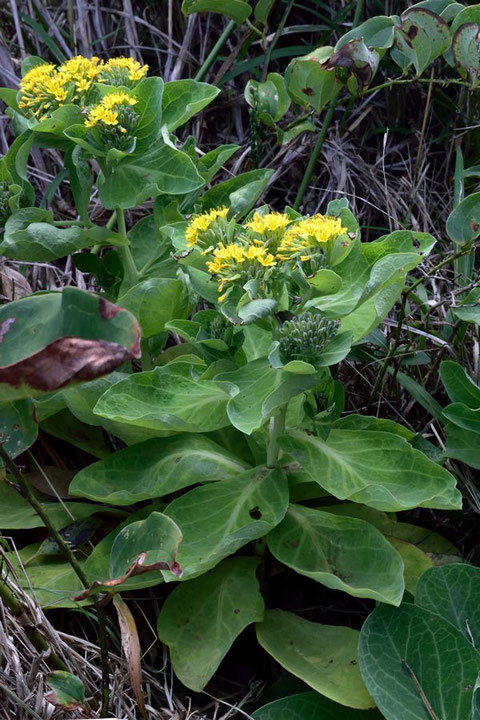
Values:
[(423, 697)]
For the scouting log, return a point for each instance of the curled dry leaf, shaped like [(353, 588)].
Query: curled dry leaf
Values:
[(131, 649)]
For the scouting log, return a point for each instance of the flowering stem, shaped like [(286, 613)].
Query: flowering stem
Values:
[(277, 428), (131, 272)]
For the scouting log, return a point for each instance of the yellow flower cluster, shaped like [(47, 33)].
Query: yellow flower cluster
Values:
[(107, 110), (122, 71), (42, 89), (306, 236), (268, 223), (201, 224), (238, 262), (46, 87)]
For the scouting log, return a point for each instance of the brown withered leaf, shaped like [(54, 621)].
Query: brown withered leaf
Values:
[(131, 649)]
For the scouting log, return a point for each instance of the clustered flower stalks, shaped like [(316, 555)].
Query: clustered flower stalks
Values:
[(304, 337), (264, 249)]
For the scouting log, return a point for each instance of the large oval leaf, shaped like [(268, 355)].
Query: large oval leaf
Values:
[(53, 339), (154, 468), (408, 648), (323, 656), (219, 518), (343, 553), (309, 705), (201, 618), (156, 301), (379, 469), (167, 398)]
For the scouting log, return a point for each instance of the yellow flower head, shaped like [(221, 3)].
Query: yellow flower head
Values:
[(42, 90), (269, 223), (81, 71), (237, 262), (306, 237), (200, 225), (123, 71), (108, 110)]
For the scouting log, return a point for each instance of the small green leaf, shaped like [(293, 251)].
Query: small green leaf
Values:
[(154, 468), (18, 426), (465, 49), (463, 223), (237, 10), (219, 518), (167, 398), (342, 553), (463, 416), (308, 82), (269, 97), (402, 649), (68, 691), (469, 308), (201, 618), (379, 469), (182, 99), (323, 656)]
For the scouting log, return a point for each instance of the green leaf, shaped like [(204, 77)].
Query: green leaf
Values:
[(415, 562), (463, 223), (68, 691), (201, 618), (52, 339), (462, 445), (308, 83), (453, 591), (466, 15), (459, 385), (163, 169), (237, 10), (18, 426), (463, 416), (418, 392), (182, 99), (422, 36), (157, 467), (156, 301), (309, 705), (257, 391), (149, 93), (444, 663), (342, 553), (465, 49), (379, 469), (80, 176), (167, 398), (219, 518), (157, 536), (239, 193), (323, 656), (269, 97), (376, 32), (16, 513), (469, 308)]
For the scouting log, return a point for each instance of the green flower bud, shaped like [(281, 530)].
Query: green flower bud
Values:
[(304, 337)]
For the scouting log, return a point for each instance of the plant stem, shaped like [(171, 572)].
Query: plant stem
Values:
[(275, 39), (316, 151), (212, 55), (358, 13), (277, 428), (131, 272), (146, 357)]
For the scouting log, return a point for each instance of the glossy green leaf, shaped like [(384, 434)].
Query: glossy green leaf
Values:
[(453, 591), (163, 169), (157, 536), (182, 99), (309, 705), (18, 426), (237, 10), (154, 468), (422, 37), (240, 193), (52, 339), (469, 308), (201, 618), (219, 518), (148, 93), (379, 469), (458, 384), (308, 82), (463, 223), (323, 656), (68, 691), (257, 391), (167, 398), (156, 301), (396, 642), (342, 553), (376, 32), (29, 236)]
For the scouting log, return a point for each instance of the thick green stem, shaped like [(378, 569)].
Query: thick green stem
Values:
[(212, 55), (316, 152), (277, 428), (131, 272)]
